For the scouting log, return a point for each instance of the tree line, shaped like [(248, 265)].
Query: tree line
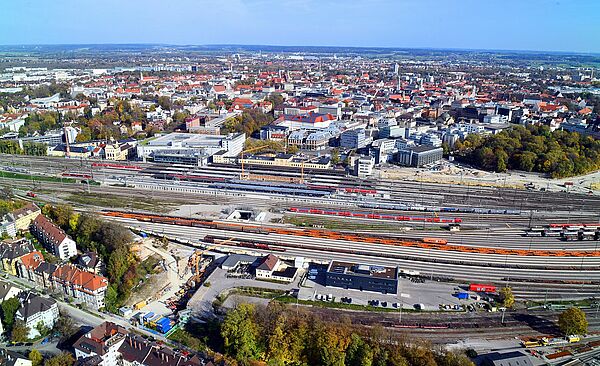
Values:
[(112, 243), (279, 336), (250, 121), (533, 148)]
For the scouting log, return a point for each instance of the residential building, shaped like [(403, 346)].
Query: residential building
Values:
[(362, 277), (102, 342), (25, 215), (136, 351), (7, 225), (36, 311), (11, 252), (91, 262), (82, 286), (11, 358), (8, 291), (28, 263), (53, 238)]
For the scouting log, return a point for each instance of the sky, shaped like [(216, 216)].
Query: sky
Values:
[(538, 25)]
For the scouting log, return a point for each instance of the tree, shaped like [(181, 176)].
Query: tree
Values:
[(335, 156), (506, 297), (241, 333), (63, 359), (35, 357), (20, 332), (9, 309), (573, 321), (6, 193), (65, 326), (165, 102), (359, 353)]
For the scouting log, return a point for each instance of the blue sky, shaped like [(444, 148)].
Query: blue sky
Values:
[(554, 25)]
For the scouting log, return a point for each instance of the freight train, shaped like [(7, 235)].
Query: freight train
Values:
[(376, 216), (245, 243)]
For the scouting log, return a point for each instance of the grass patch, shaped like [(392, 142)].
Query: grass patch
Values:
[(103, 200), (259, 292), (37, 178)]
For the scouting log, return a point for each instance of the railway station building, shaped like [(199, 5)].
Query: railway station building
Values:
[(363, 277)]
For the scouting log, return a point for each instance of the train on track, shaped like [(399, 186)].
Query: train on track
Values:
[(376, 216), (416, 207), (566, 232), (245, 243), (117, 166), (435, 244), (77, 175)]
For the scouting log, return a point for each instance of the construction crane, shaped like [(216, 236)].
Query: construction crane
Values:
[(196, 257)]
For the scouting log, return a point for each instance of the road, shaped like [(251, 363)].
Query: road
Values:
[(88, 317)]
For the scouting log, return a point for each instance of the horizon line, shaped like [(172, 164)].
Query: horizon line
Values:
[(590, 53)]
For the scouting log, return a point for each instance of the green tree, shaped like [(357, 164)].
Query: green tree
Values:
[(165, 102), (19, 332), (6, 193), (359, 353), (335, 156), (241, 333), (573, 321), (506, 297), (65, 326), (35, 357), (62, 359), (9, 309)]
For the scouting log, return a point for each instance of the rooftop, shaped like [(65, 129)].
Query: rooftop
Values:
[(364, 270)]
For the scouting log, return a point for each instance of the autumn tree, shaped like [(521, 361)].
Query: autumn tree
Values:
[(241, 333), (19, 332), (573, 321), (506, 297), (36, 357), (62, 359)]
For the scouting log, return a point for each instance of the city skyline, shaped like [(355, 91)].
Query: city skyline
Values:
[(539, 25)]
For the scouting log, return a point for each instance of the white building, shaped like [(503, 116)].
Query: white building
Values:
[(364, 166), (104, 342), (37, 311)]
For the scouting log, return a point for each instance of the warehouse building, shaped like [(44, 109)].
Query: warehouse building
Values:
[(362, 277)]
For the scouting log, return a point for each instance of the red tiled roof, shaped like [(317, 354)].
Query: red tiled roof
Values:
[(41, 223), (32, 260), (86, 280)]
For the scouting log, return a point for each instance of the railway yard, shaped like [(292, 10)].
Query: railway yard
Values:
[(496, 243)]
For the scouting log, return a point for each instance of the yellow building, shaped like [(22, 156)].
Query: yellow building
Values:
[(11, 251), (25, 215), (115, 151), (288, 161)]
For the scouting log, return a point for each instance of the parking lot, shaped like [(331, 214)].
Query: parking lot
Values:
[(414, 293)]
